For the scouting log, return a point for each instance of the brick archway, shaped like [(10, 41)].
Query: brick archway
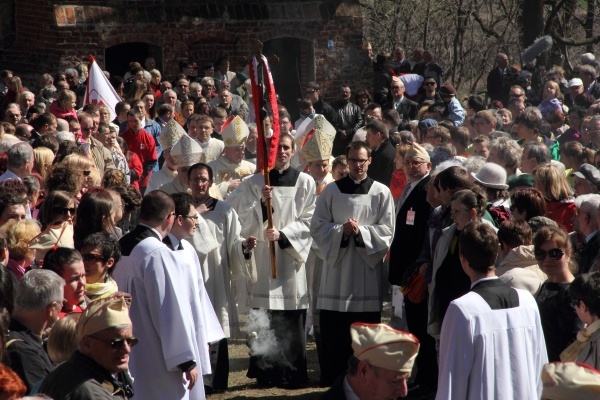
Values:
[(118, 57)]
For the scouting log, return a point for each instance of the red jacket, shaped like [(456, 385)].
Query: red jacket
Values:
[(562, 212), (144, 146)]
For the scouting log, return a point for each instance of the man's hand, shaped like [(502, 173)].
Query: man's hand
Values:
[(233, 183), (249, 243), (201, 208), (267, 193), (350, 228), (273, 234), (192, 377)]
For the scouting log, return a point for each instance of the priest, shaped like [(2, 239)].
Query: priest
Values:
[(224, 254), (285, 298), (491, 345), (230, 168), (169, 352), (353, 226)]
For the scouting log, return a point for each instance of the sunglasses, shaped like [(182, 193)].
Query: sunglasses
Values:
[(65, 210), (554, 254), (428, 83), (92, 257), (119, 343)]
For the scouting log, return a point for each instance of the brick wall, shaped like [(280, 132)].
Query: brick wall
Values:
[(52, 35)]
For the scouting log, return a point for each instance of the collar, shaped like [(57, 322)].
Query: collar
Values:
[(174, 241), (157, 233), (415, 183), (482, 280), (359, 181), (348, 391), (205, 144), (590, 236)]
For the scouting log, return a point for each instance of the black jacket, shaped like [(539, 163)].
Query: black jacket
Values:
[(407, 109), (382, 165), (322, 107), (349, 118), (408, 239)]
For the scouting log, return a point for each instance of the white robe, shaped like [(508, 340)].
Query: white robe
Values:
[(159, 178), (224, 170), (352, 279), (211, 150), (161, 318), (292, 211), (491, 354), (222, 262)]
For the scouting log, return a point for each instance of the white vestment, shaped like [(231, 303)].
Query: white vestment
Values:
[(221, 262), (491, 354), (352, 279), (224, 170), (292, 211), (161, 316), (211, 150), (160, 177)]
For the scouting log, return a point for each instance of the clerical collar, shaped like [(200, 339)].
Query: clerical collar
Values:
[(282, 171), (491, 278), (158, 235), (347, 185), (359, 181)]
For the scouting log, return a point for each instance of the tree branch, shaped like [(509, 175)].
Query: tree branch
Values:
[(573, 42)]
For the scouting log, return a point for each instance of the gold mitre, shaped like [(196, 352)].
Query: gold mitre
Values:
[(186, 152), (234, 132), (318, 142), (170, 134)]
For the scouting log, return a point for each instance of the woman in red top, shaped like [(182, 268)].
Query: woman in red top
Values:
[(399, 181), (560, 204)]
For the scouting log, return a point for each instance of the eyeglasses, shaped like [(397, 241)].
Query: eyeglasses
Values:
[(65, 210), (192, 217), (119, 343), (428, 83), (357, 161), (554, 254), (92, 257), (414, 163)]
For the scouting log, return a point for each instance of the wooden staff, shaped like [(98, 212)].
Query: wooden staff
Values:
[(265, 162)]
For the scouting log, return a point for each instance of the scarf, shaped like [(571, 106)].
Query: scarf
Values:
[(583, 337), (101, 290)]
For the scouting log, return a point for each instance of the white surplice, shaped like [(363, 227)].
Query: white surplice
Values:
[(222, 262), (159, 178), (161, 317), (352, 279), (491, 354), (292, 212), (211, 150)]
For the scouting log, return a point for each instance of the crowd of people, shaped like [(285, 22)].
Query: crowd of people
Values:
[(130, 246)]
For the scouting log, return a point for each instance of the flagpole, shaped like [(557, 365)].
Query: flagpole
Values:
[(260, 103)]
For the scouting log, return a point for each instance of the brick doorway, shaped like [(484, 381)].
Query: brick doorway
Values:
[(296, 67), (118, 57)]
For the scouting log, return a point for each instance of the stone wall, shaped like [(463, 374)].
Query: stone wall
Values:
[(52, 35)]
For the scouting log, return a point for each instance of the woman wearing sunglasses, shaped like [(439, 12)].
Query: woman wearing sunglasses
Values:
[(552, 250)]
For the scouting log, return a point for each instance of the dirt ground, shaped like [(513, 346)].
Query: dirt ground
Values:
[(241, 387)]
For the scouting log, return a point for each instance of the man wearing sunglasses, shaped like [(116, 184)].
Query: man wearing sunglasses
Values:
[(96, 369)]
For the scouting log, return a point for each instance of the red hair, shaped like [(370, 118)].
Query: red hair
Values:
[(11, 386)]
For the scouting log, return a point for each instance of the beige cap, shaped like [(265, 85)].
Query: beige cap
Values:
[(318, 143), (109, 312), (570, 381), (383, 346), (416, 150), (170, 134), (54, 236), (186, 152), (234, 132)]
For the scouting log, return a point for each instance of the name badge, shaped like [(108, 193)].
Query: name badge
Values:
[(410, 217)]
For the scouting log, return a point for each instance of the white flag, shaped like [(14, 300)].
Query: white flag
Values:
[(99, 90)]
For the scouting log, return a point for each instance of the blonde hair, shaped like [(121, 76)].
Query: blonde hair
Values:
[(556, 87), (402, 149), (79, 162), (551, 182), (95, 178), (18, 235), (63, 339), (42, 159), (65, 96)]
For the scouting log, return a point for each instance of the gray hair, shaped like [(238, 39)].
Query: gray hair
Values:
[(206, 80), (169, 91), (252, 126), (537, 150), (71, 71), (474, 163), (588, 203), (498, 133), (508, 151), (38, 289), (63, 136), (62, 124), (19, 154)]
